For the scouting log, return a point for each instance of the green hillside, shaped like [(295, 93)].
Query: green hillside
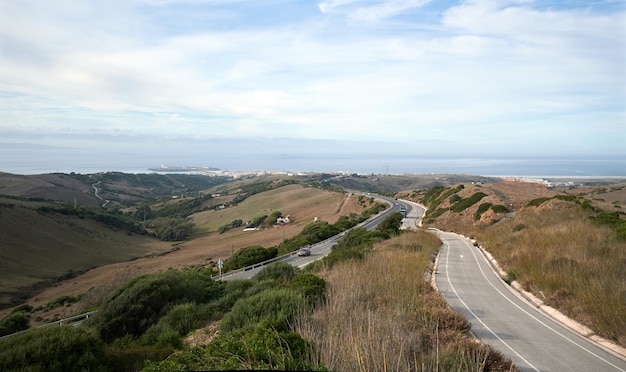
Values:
[(38, 248)]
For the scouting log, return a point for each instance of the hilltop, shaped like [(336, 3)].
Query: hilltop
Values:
[(567, 246)]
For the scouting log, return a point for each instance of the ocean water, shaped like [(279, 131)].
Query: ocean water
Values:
[(29, 160)]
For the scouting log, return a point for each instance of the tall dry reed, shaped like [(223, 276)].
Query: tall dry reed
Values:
[(381, 314), (577, 266)]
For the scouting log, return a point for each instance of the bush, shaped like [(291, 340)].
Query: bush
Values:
[(259, 348), (178, 322), (499, 208), (24, 308), (276, 307), (360, 236), (137, 305), (249, 256), (173, 229), (233, 224), (347, 222), (454, 198), (14, 322), (277, 271), (391, 224), (463, 204), (537, 202), (311, 286), (63, 348)]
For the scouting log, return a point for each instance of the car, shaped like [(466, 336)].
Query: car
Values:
[(304, 252)]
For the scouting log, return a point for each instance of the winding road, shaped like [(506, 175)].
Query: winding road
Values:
[(322, 249), (503, 319), (95, 192)]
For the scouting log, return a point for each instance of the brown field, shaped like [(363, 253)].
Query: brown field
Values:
[(47, 186), (303, 204)]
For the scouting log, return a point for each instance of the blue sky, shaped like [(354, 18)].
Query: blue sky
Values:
[(482, 76)]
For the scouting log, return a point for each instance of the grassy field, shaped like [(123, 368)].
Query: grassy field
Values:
[(303, 204), (40, 247), (381, 314)]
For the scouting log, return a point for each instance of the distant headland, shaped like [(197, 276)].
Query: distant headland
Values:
[(179, 169)]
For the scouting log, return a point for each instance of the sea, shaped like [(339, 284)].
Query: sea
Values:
[(84, 162)]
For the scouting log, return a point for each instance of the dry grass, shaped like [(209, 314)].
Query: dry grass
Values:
[(555, 252), (304, 204), (381, 314)]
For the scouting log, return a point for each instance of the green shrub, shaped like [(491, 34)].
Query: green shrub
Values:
[(360, 236), (482, 208), (259, 348), (311, 286), (278, 271), (14, 322), (391, 224), (63, 348), (347, 222), (173, 229), (454, 198), (233, 224), (24, 308), (277, 307), (249, 256), (434, 213), (537, 202), (178, 322), (137, 305), (463, 204), (499, 208)]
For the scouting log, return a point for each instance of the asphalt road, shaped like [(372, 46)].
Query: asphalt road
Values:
[(323, 248), (509, 323)]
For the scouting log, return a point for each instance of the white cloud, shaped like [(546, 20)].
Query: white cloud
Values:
[(487, 67), (368, 11)]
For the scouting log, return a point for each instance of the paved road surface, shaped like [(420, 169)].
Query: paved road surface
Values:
[(509, 323), (322, 249)]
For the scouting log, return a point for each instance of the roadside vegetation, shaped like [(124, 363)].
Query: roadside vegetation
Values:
[(575, 265), (148, 318), (266, 322), (563, 249), (313, 232), (380, 313)]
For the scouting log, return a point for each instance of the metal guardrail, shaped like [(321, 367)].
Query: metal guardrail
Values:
[(85, 316), (71, 320), (287, 255), (264, 263)]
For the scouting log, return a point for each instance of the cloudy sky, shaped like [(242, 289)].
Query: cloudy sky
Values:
[(517, 76)]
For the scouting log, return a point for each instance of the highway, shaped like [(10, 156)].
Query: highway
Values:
[(322, 249), (503, 319)]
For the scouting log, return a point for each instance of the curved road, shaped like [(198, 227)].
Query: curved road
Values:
[(323, 248), (504, 320)]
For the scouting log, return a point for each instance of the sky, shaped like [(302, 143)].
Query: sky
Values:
[(415, 76)]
